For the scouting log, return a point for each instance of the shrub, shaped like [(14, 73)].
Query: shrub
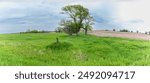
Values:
[(70, 30), (106, 30), (124, 30), (137, 31), (59, 46), (114, 29), (59, 29)]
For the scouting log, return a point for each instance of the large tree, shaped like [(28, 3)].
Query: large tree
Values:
[(79, 17), (87, 24)]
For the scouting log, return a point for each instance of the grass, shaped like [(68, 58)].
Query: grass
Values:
[(40, 49)]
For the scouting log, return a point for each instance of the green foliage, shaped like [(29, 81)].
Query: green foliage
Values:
[(35, 31), (60, 46), (83, 50), (87, 24), (124, 30), (59, 29), (79, 17), (69, 27), (32, 31)]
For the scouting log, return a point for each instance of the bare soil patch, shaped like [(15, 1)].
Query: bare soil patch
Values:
[(120, 34)]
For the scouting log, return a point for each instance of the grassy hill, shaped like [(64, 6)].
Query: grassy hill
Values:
[(41, 49)]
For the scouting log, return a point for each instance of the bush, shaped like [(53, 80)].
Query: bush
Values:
[(69, 30), (43, 31), (60, 46), (106, 30), (114, 29), (59, 30), (137, 31), (124, 30)]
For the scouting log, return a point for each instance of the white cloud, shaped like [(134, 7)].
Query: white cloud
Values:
[(135, 10), (127, 13)]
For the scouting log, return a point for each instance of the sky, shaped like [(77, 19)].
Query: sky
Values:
[(20, 15)]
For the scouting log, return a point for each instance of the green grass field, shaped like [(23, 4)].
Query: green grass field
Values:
[(39, 49)]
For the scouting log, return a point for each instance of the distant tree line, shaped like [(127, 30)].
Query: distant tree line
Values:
[(125, 30), (35, 31)]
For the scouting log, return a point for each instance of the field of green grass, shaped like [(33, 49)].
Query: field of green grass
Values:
[(40, 49)]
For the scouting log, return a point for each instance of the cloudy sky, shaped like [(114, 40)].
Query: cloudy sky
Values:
[(20, 15)]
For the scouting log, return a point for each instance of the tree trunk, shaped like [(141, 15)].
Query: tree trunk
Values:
[(76, 31), (57, 40), (85, 31)]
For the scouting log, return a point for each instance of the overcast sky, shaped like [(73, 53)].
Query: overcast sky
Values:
[(20, 15)]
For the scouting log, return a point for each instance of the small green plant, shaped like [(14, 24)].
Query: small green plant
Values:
[(59, 45)]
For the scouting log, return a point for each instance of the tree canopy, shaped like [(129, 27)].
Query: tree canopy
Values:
[(78, 17)]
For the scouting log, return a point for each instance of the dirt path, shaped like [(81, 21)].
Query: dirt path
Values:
[(120, 34)]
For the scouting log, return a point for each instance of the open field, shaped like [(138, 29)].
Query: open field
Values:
[(40, 49), (130, 35)]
